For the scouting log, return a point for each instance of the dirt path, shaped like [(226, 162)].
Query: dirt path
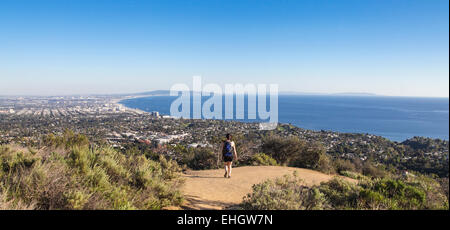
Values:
[(208, 189)]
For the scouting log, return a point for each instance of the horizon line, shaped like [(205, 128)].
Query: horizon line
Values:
[(148, 93)]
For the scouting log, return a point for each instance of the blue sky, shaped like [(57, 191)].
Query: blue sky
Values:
[(387, 47)]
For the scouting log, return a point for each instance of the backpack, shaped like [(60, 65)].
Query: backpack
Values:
[(227, 149)]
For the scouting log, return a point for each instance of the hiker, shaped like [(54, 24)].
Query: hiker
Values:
[(228, 152)]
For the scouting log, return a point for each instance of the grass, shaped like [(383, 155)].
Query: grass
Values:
[(69, 173), (290, 193)]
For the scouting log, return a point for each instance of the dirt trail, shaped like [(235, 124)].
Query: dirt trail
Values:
[(208, 189)]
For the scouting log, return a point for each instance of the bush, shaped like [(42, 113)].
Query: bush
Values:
[(295, 152), (340, 194), (342, 165), (353, 175), (76, 199), (83, 177), (200, 158), (436, 197), (391, 194), (68, 140), (309, 157), (291, 193), (262, 159), (324, 165), (283, 150), (286, 193), (444, 186), (11, 204), (372, 171)]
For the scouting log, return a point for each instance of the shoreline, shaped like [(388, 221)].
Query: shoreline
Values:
[(117, 101)]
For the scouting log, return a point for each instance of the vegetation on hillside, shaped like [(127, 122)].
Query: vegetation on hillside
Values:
[(297, 153), (424, 155), (380, 186), (290, 193), (70, 173)]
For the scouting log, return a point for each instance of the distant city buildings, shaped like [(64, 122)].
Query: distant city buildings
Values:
[(62, 106)]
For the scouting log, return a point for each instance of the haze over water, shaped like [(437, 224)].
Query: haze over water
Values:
[(396, 118)]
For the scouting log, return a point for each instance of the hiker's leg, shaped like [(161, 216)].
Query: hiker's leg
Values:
[(226, 168), (229, 167)]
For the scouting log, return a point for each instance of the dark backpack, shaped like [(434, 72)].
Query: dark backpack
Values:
[(227, 149)]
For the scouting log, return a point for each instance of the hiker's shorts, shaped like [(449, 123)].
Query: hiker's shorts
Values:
[(227, 158)]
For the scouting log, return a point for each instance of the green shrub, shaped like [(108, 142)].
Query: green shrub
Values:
[(342, 165), (97, 179), (369, 199), (11, 204), (170, 168), (353, 175), (111, 162), (119, 199), (340, 193), (324, 165), (392, 194), (291, 193), (76, 199), (200, 158), (85, 177), (81, 158), (283, 150), (13, 161), (372, 171), (68, 140), (309, 157), (286, 193), (295, 152), (262, 159)]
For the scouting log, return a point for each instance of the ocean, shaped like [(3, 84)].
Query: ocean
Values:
[(396, 118)]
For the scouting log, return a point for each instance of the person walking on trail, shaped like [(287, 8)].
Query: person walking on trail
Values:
[(228, 153)]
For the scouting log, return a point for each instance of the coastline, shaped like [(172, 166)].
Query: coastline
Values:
[(117, 102), (399, 140)]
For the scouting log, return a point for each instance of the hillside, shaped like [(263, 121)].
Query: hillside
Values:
[(208, 189), (70, 172)]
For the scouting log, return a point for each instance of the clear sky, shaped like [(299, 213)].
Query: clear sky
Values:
[(388, 47)]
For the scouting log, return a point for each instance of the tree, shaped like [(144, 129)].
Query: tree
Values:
[(283, 150)]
